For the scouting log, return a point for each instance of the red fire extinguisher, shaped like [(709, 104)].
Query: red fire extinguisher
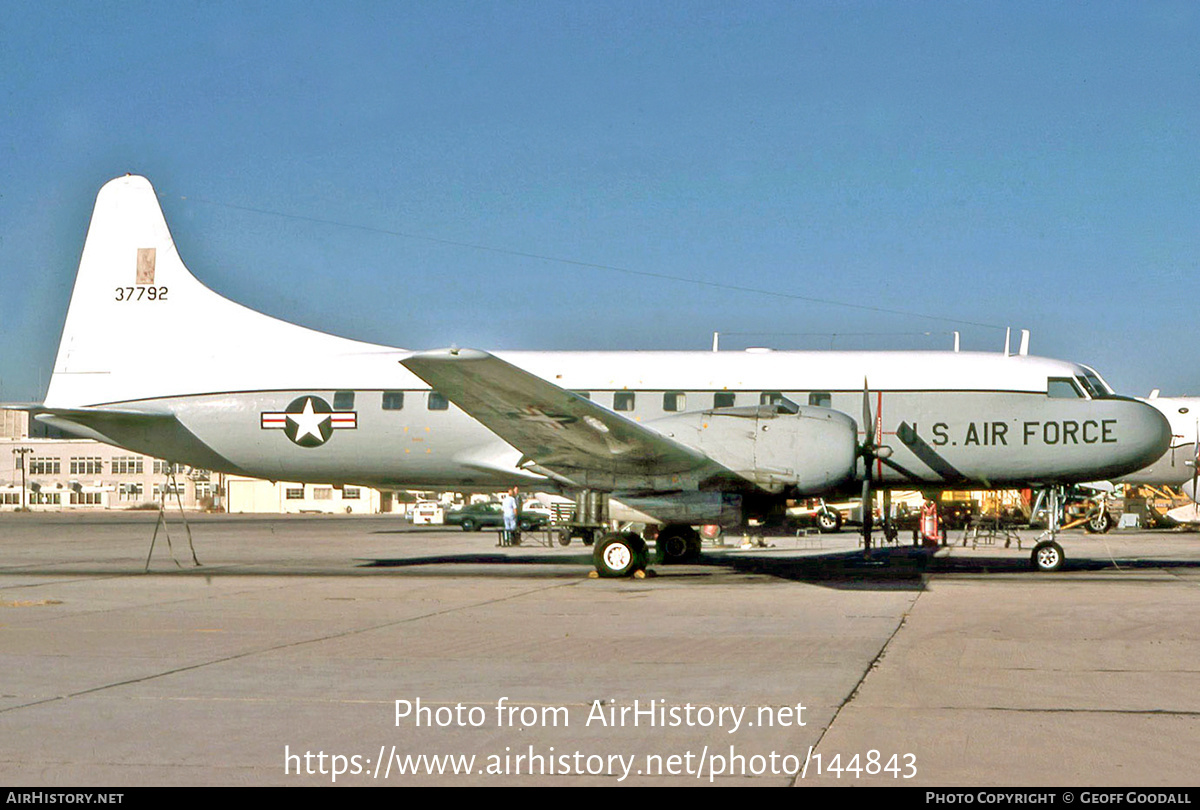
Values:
[(930, 525)]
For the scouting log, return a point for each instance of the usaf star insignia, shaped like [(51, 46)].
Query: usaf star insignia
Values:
[(309, 421)]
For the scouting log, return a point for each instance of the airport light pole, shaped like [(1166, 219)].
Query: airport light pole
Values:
[(19, 453)]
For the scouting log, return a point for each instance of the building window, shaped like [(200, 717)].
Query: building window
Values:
[(164, 468), (85, 498), (820, 399), (393, 400), (294, 493), (623, 401), (127, 465), (351, 493), (85, 466), (129, 492), (169, 488), (723, 399), (322, 493), (343, 400), (45, 466), (674, 401), (438, 402)]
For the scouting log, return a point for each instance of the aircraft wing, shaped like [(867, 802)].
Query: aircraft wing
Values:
[(554, 428)]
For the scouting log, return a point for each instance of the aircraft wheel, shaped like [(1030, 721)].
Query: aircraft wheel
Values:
[(619, 554), (678, 544), (1100, 523), (1047, 556), (829, 521)]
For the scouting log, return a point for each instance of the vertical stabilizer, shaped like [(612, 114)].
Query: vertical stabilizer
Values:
[(140, 325)]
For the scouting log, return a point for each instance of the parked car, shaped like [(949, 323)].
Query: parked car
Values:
[(490, 514)]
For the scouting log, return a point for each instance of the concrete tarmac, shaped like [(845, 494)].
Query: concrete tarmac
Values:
[(297, 654)]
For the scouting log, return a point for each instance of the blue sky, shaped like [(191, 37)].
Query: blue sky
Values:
[(979, 165)]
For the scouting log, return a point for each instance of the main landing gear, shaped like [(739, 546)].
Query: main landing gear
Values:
[(624, 554), (620, 554)]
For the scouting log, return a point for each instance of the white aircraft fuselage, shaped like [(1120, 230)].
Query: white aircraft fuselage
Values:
[(266, 398)]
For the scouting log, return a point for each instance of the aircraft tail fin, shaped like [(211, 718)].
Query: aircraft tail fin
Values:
[(141, 326)]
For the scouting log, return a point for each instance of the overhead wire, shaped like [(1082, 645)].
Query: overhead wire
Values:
[(719, 285)]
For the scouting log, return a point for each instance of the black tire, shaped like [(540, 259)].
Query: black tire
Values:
[(564, 537), (468, 525), (1100, 523), (619, 555), (678, 544), (829, 521), (1047, 556)]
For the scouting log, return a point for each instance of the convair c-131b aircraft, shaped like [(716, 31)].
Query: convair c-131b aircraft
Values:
[(687, 437)]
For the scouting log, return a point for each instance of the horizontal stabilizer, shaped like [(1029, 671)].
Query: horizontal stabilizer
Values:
[(155, 434)]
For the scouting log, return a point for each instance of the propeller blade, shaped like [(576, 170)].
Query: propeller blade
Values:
[(1196, 465), (868, 512), (868, 420), (867, 450)]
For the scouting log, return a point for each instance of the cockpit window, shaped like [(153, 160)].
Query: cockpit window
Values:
[(1087, 386), (1103, 389), (1063, 388)]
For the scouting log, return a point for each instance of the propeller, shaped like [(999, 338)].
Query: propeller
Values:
[(869, 450)]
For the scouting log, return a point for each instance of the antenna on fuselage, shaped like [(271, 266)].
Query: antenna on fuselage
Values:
[(1007, 335), (1024, 350), (716, 340), (956, 341)]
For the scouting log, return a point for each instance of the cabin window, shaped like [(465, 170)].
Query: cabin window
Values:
[(343, 400), (438, 402), (723, 399), (623, 401), (820, 399), (1062, 388), (775, 398), (674, 401), (393, 400)]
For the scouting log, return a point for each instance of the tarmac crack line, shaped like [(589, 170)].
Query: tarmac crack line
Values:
[(862, 679), (289, 645)]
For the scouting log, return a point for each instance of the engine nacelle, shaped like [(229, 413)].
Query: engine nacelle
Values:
[(812, 450)]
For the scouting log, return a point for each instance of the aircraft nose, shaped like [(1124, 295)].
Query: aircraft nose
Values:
[(1149, 434)]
